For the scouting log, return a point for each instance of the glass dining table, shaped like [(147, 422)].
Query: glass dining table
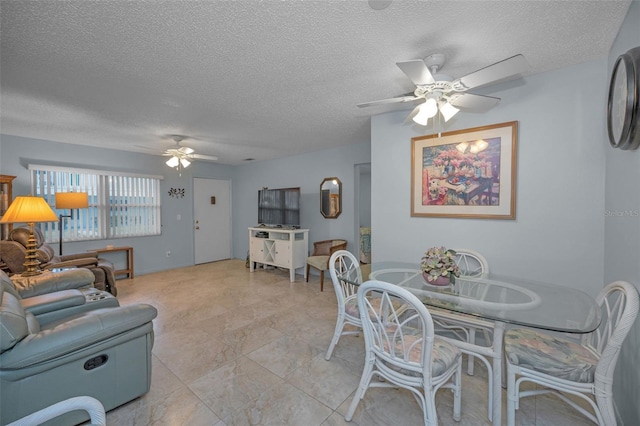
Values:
[(492, 302)]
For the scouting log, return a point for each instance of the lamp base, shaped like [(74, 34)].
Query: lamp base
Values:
[(31, 272), (31, 263)]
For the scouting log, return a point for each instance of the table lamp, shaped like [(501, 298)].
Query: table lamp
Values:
[(29, 210), (70, 200)]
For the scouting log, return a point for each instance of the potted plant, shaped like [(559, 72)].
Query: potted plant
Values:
[(439, 267)]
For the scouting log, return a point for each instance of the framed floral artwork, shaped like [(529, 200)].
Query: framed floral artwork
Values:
[(467, 173)]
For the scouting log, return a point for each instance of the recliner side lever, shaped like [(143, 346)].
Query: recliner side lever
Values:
[(95, 362)]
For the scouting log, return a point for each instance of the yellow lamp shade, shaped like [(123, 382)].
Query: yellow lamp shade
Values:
[(72, 200), (29, 209)]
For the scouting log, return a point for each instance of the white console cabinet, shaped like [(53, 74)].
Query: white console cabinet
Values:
[(283, 248)]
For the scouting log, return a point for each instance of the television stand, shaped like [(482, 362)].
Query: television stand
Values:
[(283, 248)]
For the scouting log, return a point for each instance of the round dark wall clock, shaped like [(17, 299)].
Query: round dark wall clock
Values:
[(623, 104)]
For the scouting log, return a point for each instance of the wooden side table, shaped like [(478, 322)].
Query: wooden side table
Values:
[(129, 251)]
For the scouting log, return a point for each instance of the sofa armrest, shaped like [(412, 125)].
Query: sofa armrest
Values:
[(55, 301), (84, 330), (13, 255), (93, 255), (79, 263), (48, 282), (92, 299)]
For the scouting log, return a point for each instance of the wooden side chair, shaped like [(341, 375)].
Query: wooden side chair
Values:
[(319, 259)]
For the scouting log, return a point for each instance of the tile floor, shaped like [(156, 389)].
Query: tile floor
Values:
[(239, 348)]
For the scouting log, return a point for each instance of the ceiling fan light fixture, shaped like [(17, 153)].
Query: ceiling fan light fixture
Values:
[(421, 117), (447, 110), (430, 107), (426, 110), (185, 163), (172, 162)]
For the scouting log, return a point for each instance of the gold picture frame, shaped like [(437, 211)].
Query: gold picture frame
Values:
[(468, 173)]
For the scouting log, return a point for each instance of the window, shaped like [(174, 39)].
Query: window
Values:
[(120, 205)]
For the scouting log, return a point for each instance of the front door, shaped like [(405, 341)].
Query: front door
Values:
[(212, 219)]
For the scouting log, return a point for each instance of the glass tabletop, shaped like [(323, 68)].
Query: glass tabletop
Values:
[(513, 300)]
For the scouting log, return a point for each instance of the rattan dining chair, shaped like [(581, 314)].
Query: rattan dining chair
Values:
[(562, 366), (471, 263), (344, 267), (402, 350), (474, 265), (88, 404), (463, 327)]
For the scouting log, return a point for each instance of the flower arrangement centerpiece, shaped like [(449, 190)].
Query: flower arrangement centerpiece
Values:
[(439, 267)]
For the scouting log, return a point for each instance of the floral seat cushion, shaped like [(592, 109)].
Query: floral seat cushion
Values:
[(351, 306), (444, 354), (550, 355)]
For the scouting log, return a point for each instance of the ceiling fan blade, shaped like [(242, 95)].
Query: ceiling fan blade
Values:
[(417, 71), (503, 69), (388, 101), (471, 101), (185, 150), (203, 157)]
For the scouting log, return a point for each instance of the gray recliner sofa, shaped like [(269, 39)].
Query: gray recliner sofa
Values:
[(54, 296), (14, 249), (103, 353)]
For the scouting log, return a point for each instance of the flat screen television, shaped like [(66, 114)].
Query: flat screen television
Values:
[(279, 207)]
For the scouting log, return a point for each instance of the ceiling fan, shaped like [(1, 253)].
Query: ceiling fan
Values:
[(183, 155), (441, 93)]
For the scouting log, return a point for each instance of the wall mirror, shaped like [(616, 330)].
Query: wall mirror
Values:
[(331, 197)]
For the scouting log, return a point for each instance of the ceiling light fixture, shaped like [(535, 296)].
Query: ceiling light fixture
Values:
[(449, 93), (173, 162), (426, 110), (447, 110), (430, 108)]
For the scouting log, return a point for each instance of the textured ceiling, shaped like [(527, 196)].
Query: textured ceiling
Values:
[(257, 79)]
